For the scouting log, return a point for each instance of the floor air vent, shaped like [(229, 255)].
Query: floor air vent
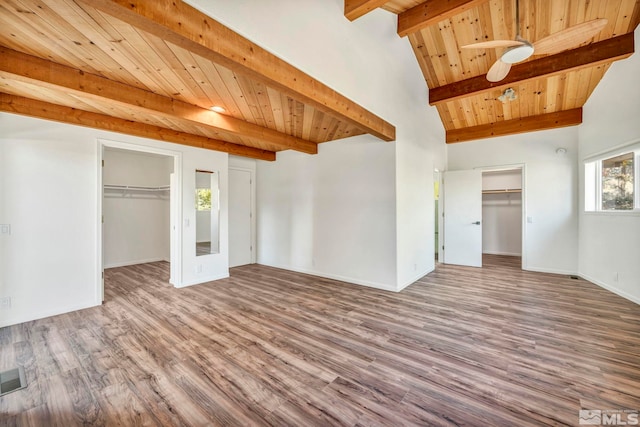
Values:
[(12, 380)]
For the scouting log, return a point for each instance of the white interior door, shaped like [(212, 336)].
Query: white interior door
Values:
[(462, 218), (240, 230)]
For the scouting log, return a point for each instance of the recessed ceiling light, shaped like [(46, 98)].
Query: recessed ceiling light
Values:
[(218, 109)]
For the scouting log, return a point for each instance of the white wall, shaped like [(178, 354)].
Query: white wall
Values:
[(136, 225), (332, 214), (550, 195), (502, 214), (362, 209), (49, 261), (609, 242)]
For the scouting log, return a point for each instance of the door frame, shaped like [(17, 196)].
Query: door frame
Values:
[(252, 185), (175, 211), (523, 214), (439, 174)]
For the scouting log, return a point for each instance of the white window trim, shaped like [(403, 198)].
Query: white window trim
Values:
[(634, 147)]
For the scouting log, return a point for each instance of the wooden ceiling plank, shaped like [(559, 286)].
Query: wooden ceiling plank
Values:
[(27, 41), (354, 9), (130, 70), (30, 68), (635, 16), (185, 26), (307, 121), (229, 81), (44, 110), (190, 83), (515, 126), (623, 21), (553, 94), (608, 50), (66, 29), (431, 12), (298, 117), (446, 116), (264, 103), (585, 80), (275, 98), (249, 95), (433, 41), (104, 43), (422, 55)]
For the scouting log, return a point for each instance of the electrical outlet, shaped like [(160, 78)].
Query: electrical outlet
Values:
[(5, 303)]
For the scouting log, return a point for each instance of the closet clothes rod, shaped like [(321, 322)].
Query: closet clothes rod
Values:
[(514, 190), (136, 188)]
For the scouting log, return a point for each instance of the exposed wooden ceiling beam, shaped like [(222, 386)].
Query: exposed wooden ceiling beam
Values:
[(590, 55), (431, 12), (509, 127), (179, 23), (354, 9), (44, 110), (23, 67)]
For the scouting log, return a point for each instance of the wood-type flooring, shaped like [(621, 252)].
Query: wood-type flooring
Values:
[(495, 346)]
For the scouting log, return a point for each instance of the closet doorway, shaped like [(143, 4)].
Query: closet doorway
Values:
[(503, 212), (139, 208)]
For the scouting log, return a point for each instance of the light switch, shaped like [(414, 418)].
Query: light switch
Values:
[(530, 219), (5, 228)]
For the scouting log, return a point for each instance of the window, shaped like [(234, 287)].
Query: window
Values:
[(203, 199), (611, 183)]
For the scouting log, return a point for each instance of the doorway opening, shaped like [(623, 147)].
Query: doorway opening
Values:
[(139, 209), (483, 214), (502, 214)]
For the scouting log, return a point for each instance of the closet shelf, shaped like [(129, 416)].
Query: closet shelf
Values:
[(135, 190), (505, 191)]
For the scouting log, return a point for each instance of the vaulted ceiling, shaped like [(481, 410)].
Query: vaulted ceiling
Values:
[(550, 90), (156, 68)]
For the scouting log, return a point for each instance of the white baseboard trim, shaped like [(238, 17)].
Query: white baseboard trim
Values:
[(351, 280), (201, 280), (414, 279), (501, 253), (126, 263), (613, 289), (551, 271), (55, 312)]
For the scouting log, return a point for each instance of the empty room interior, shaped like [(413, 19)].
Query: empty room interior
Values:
[(319, 212)]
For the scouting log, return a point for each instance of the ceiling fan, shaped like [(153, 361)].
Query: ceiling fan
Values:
[(520, 49)]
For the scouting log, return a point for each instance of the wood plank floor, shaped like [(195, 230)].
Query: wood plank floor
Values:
[(462, 346)]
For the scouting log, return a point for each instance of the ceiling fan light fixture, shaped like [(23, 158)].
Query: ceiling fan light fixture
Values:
[(517, 54)]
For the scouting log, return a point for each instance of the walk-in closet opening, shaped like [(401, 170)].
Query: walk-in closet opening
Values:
[(136, 209), (502, 212)]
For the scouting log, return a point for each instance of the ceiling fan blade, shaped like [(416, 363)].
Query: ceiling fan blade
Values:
[(498, 71), (492, 44), (569, 37)]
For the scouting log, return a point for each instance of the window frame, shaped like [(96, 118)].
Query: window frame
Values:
[(592, 169)]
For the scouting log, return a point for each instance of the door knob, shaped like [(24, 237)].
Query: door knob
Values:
[(476, 223)]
